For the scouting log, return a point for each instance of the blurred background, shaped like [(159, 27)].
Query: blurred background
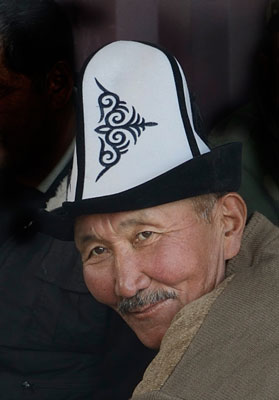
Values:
[(214, 40)]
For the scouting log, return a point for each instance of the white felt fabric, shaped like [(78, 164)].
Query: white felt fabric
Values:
[(142, 77)]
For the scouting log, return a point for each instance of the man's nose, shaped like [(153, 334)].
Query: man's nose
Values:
[(129, 274)]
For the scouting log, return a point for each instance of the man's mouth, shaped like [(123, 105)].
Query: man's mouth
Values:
[(148, 311), (146, 308)]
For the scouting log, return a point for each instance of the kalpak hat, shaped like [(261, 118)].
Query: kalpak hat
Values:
[(137, 146)]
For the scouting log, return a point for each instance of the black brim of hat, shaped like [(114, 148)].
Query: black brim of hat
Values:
[(217, 171)]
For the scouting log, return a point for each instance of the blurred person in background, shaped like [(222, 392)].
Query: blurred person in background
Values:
[(56, 341)]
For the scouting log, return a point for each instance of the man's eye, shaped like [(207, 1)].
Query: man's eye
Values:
[(143, 235), (97, 251)]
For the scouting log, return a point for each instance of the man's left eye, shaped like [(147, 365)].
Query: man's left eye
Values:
[(144, 235)]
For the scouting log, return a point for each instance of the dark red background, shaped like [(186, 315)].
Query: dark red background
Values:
[(214, 40)]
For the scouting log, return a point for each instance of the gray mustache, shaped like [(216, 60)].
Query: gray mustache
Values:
[(130, 304)]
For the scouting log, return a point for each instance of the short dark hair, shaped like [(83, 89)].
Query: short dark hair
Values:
[(35, 34), (204, 204)]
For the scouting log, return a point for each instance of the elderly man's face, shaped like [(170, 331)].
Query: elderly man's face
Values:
[(148, 264)]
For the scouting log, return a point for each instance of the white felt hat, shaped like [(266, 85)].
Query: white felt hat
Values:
[(137, 146)]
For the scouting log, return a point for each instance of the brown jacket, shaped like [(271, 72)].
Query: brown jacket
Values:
[(225, 345)]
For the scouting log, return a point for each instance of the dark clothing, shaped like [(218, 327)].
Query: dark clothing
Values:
[(56, 341)]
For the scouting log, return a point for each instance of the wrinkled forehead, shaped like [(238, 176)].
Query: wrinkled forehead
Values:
[(159, 216), (120, 219)]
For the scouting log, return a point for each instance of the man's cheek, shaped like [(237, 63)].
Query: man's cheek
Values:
[(100, 287)]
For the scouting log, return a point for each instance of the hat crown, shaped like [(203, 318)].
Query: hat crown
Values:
[(136, 120)]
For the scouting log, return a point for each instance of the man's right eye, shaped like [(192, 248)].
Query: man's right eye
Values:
[(97, 251)]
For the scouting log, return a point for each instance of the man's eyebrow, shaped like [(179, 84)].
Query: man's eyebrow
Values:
[(133, 221), (90, 237), (87, 238)]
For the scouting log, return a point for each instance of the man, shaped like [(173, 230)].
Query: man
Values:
[(162, 235), (36, 82), (56, 341)]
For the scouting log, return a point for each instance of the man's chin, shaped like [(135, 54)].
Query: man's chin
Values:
[(150, 323), (149, 333), (151, 342)]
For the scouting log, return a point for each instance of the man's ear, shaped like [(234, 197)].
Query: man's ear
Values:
[(234, 214), (59, 84)]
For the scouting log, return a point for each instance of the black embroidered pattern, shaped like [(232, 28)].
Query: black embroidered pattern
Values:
[(119, 126)]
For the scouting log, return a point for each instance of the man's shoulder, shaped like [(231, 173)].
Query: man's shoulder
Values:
[(238, 335)]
